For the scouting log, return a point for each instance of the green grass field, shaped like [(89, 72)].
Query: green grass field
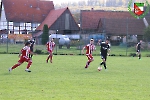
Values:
[(127, 78)]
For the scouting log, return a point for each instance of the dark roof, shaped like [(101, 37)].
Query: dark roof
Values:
[(123, 26), (51, 18), (90, 19), (27, 10)]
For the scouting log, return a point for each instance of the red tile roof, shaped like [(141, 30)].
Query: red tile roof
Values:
[(90, 19), (51, 18), (123, 26), (27, 10)]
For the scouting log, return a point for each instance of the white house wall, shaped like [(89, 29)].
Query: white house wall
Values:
[(15, 27), (3, 21)]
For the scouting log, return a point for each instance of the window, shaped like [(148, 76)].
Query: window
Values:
[(28, 24), (10, 27), (16, 24), (22, 24), (34, 25), (10, 23)]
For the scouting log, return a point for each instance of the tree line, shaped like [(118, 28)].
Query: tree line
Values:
[(102, 3)]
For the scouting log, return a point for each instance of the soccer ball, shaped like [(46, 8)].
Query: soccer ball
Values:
[(99, 68)]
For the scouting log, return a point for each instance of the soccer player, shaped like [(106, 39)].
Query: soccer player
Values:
[(99, 42), (104, 50), (31, 47), (89, 49), (138, 49), (24, 57), (50, 48)]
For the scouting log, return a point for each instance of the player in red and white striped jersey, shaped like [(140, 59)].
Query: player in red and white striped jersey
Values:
[(89, 49), (50, 48), (24, 57)]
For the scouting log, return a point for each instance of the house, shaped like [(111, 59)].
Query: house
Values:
[(112, 23), (60, 20), (23, 16), (95, 15), (29, 16), (123, 27)]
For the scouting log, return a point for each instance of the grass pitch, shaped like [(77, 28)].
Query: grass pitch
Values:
[(127, 78)]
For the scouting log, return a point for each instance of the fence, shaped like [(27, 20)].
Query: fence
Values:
[(119, 47), (123, 34)]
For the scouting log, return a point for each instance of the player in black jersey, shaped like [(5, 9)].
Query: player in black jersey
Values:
[(104, 51), (31, 47), (138, 49)]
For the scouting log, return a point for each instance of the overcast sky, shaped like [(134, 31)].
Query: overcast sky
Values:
[(61, 1)]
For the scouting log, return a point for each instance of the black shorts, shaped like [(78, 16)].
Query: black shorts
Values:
[(138, 51), (104, 57), (31, 49)]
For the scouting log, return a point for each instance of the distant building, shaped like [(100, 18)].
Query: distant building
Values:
[(23, 16), (27, 16), (60, 21), (112, 23)]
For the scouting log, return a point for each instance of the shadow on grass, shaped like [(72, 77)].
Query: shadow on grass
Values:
[(6, 73)]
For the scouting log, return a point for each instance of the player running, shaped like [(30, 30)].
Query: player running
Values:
[(50, 48), (24, 57), (89, 49), (104, 51), (138, 49), (31, 47)]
